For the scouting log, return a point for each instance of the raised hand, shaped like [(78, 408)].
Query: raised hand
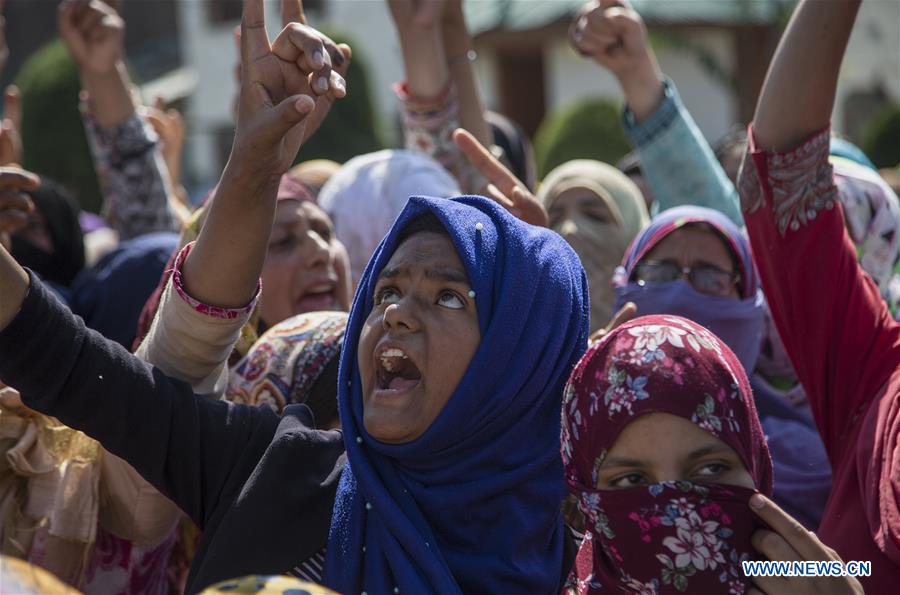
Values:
[(503, 186), (615, 37), (299, 65), (790, 541), (94, 34), (10, 140), (15, 205), (169, 126), (611, 32), (281, 87)]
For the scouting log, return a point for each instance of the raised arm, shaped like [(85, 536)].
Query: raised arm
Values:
[(135, 182), (676, 159), (459, 53), (281, 85), (835, 326), (431, 103), (798, 95)]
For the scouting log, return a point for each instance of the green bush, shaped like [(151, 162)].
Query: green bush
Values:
[(350, 128), (881, 138), (52, 132), (589, 129)]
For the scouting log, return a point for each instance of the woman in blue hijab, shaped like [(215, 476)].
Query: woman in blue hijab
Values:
[(469, 500), (462, 334)]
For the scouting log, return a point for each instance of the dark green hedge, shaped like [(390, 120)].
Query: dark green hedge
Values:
[(52, 132), (881, 139), (589, 129)]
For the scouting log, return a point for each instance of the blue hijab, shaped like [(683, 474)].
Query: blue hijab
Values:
[(472, 505)]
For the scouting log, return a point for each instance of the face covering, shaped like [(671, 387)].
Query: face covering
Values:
[(676, 537), (600, 246), (738, 322)]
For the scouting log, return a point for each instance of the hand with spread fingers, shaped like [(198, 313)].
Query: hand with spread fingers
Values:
[(790, 541), (281, 86), (15, 205), (503, 186)]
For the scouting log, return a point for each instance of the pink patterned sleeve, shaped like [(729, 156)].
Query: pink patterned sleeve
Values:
[(836, 328), (428, 125), (213, 311)]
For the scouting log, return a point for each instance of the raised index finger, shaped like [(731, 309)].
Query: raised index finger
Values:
[(292, 12), (485, 162), (254, 40), (804, 542)]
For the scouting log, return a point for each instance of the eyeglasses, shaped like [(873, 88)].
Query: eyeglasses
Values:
[(705, 278)]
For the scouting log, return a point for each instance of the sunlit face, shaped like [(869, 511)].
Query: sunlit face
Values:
[(579, 201), (418, 340), (659, 447), (692, 246), (306, 267)]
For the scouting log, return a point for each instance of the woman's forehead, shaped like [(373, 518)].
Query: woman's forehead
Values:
[(669, 435), (699, 235), (431, 251), (290, 210)]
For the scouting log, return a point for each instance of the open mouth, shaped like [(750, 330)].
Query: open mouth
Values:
[(317, 297), (395, 371)]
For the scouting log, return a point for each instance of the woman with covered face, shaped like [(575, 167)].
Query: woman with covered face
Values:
[(694, 262), (665, 455), (446, 477), (598, 210)]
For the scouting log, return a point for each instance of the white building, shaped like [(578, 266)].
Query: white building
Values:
[(702, 45)]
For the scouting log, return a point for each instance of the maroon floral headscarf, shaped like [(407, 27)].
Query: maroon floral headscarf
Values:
[(670, 537)]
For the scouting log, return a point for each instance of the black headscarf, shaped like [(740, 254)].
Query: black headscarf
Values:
[(61, 215), (510, 137)]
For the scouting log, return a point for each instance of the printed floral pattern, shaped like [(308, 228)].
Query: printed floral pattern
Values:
[(283, 365), (671, 537), (800, 185), (133, 176)]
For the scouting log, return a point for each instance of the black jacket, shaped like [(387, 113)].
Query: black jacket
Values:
[(260, 486)]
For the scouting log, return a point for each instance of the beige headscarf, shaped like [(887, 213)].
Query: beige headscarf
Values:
[(599, 244)]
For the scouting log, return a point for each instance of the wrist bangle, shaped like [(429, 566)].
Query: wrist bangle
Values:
[(467, 57)]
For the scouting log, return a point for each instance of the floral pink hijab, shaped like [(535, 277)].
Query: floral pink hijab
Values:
[(670, 537)]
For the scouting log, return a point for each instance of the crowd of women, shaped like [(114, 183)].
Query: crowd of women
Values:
[(421, 371)]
